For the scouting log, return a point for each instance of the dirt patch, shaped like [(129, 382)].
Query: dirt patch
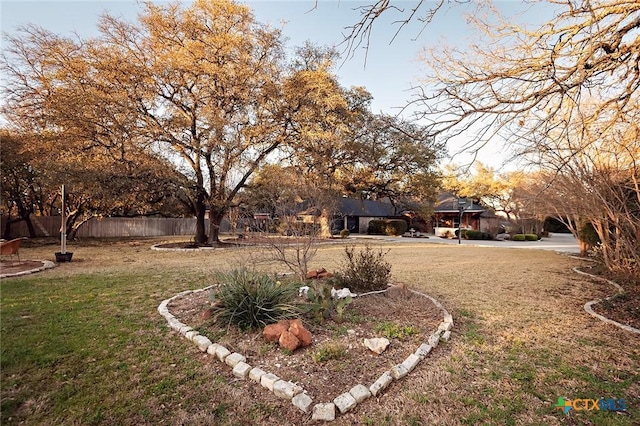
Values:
[(405, 318), (9, 267)]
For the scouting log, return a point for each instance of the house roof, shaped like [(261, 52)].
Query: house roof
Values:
[(372, 208), (448, 203)]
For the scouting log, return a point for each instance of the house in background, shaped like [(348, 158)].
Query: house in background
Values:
[(446, 216), (355, 214)]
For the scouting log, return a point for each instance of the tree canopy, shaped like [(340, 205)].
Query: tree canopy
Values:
[(563, 96), (205, 87)]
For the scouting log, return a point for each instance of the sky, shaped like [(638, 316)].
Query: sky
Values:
[(387, 69)]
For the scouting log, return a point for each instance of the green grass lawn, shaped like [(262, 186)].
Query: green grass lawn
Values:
[(83, 343)]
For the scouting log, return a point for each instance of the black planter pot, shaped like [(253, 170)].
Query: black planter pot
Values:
[(64, 257)]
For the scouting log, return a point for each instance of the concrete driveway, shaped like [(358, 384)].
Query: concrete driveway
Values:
[(564, 243)]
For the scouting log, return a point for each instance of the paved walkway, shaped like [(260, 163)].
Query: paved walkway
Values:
[(565, 243)]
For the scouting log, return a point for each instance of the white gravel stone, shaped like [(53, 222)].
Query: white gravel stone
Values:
[(448, 318), (185, 329), (233, 359), (202, 342), (222, 353), (360, 393), (411, 362), (423, 350), (241, 370), (399, 371), (380, 384), (256, 374), (286, 390), (345, 402), (302, 401), (326, 412), (268, 380), (446, 336)]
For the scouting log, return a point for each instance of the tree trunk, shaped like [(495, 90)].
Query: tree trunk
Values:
[(325, 225), (215, 219), (201, 235), (584, 248)]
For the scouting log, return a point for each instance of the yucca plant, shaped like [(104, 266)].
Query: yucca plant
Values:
[(251, 300)]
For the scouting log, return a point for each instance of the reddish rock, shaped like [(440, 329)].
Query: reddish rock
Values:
[(298, 330), (312, 275), (207, 313), (272, 332), (289, 341), (324, 275)]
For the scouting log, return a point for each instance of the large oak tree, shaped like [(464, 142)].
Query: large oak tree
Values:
[(205, 87)]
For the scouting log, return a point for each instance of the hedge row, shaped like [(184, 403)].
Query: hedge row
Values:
[(525, 237), (387, 227)]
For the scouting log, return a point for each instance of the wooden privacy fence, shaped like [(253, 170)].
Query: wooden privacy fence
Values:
[(111, 227)]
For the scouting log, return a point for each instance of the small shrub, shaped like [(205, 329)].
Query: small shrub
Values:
[(376, 227), (518, 237), (531, 237), (364, 271), (387, 227), (395, 227), (344, 233), (470, 234), (394, 331), (321, 305), (329, 351), (251, 300)]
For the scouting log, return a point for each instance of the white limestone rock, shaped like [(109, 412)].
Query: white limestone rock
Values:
[(241, 370), (445, 326), (446, 336), (380, 384), (233, 359), (268, 380), (256, 374), (399, 371), (423, 350), (222, 353), (191, 334), (302, 401), (345, 402), (360, 393), (434, 339), (202, 342), (326, 412), (211, 350), (286, 390), (377, 344), (411, 362)]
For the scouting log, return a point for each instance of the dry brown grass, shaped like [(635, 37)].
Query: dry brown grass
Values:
[(521, 337)]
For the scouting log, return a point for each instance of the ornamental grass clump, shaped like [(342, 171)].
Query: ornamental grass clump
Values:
[(251, 300)]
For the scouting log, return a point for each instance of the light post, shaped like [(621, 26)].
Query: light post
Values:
[(461, 205)]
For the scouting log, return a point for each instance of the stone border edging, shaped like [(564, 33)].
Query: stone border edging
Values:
[(46, 264), (588, 306), (157, 247), (291, 391)]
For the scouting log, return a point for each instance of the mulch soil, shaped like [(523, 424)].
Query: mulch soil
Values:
[(323, 381)]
